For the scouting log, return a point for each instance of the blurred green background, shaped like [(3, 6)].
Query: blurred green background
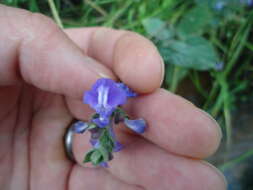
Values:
[(207, 46)]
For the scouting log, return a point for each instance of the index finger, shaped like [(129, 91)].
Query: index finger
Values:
[(133, 58)]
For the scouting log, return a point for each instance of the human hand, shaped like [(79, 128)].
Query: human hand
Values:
[(43, 74)]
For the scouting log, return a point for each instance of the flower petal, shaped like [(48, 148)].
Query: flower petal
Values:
[(117, 146), (80, 127), (138, 125), (104, 96), (101, 122), (128, 91), (104, 164)]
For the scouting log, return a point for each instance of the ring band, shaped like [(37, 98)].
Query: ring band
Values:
[(68, 142)]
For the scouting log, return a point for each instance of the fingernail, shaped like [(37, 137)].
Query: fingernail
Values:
[(98, 68), (213, 121), (162, 70), (103, 75), (219, 174)]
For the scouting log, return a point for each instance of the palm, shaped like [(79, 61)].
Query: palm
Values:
[(33, 123)]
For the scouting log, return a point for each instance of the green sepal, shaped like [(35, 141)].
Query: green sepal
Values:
[(87, 157), (92, 126), (96, 157), (104, 153), (119, 114), (106, 141), (94, 116)]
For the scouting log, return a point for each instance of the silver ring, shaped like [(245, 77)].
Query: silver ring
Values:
[(68, 142)]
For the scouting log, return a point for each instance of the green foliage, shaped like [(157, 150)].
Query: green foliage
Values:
[(195, 21), (195, 52), (157, 28), (101, 154), (106, 141), (96, 157), (88, 156)]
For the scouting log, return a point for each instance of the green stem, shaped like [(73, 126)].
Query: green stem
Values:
[(118, 14), (213, 92), (196, 81), (174, 82), (237, 160), (96, 7), (55, 13)]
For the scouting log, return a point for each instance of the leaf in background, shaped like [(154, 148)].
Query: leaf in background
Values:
[(195, 21), (194, 52), (170, 71), (157, 28)]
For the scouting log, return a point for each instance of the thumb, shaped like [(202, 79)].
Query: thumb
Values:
[(33, 49)]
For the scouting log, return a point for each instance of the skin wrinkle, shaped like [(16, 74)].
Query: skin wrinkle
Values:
[(21, 134), (69, 175), (11, 153), (13, 141)]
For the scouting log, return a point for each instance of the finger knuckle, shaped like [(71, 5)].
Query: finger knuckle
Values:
[(43, 26)]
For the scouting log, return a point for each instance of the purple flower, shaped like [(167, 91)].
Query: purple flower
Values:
[(219, 5), (138, 125), (219, 66), (104, 97), (127, 90), (80, 127)]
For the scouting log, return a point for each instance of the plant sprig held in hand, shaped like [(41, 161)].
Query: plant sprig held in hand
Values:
[(106, 97)]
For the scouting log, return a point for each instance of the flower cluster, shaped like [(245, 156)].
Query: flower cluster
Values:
[(106, 97)]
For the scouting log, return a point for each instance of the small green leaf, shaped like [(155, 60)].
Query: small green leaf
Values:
[(195, 21), (88, 156), (96, 157), (155, 27), (106, 141), (195, 52), (104, 153)]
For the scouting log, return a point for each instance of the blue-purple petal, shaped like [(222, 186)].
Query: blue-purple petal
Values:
[(96, 144), (219, 5), (138, 125), (104, 164), (127, 90), (101, 123), (80, 127), (117, 147), (93, 142), (105, 96)]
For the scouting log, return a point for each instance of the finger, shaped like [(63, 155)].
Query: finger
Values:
[(34, 49), (142, 163), (47, 161), (176, 124), (133, 58), (96, 178), (145, 164)]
